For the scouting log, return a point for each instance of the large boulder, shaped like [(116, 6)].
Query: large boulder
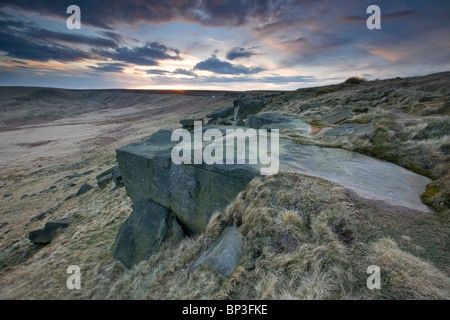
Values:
[(192, 191), (142, 234), (223, 255), (221, 113), (246, 106), (48, 233)]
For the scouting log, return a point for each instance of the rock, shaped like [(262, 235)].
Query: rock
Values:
[(223, 255), (73, 175), (350, 128), (3, 224), (337, 117), (117, 177), (48, 233), (104, 178), (192, 192), (308, 106), (6, 195), (51, 188), (224, 121), (238, 123), (143, 232), (221, 113), (276, 121), (70, 196), (383, 100), (23, 196), (42, 215), (246, 106), (189, 123), (102, 182), (369, 178), (83, 189)]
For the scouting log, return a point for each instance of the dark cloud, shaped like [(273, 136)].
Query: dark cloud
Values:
[(384, 17), (109, 67), (21, 45), (237, 53), (28, 41), (72, 38), (157, 72), (107, 14), (25, 40), (35, 32), (185, 72), (223, 67), (147, 55)]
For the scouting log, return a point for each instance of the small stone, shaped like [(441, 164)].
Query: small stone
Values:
[(83, 189), (48, 233)]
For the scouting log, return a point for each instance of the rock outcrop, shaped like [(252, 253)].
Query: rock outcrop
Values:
[(142, 234), (234, 115), (192, 191)]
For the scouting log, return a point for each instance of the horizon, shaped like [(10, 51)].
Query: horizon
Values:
[(226, 46)]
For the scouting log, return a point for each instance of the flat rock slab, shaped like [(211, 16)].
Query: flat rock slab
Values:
[(350, 128), (224, 254), (337, 117), (277, 121), (369, 178)]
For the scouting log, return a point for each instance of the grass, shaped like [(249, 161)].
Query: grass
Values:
[(303, 238), (355, 80)]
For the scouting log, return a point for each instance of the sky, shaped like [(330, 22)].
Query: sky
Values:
[(218, 45)]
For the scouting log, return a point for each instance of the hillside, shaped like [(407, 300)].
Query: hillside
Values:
[(304, 233)]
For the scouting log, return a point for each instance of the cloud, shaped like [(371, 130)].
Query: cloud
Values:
[(21, 45), (157, 71), (384, 17), (107, 14), (269, 79), (109, 67), (237, 53), (223, 67), (184, 72), (147, 55)]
